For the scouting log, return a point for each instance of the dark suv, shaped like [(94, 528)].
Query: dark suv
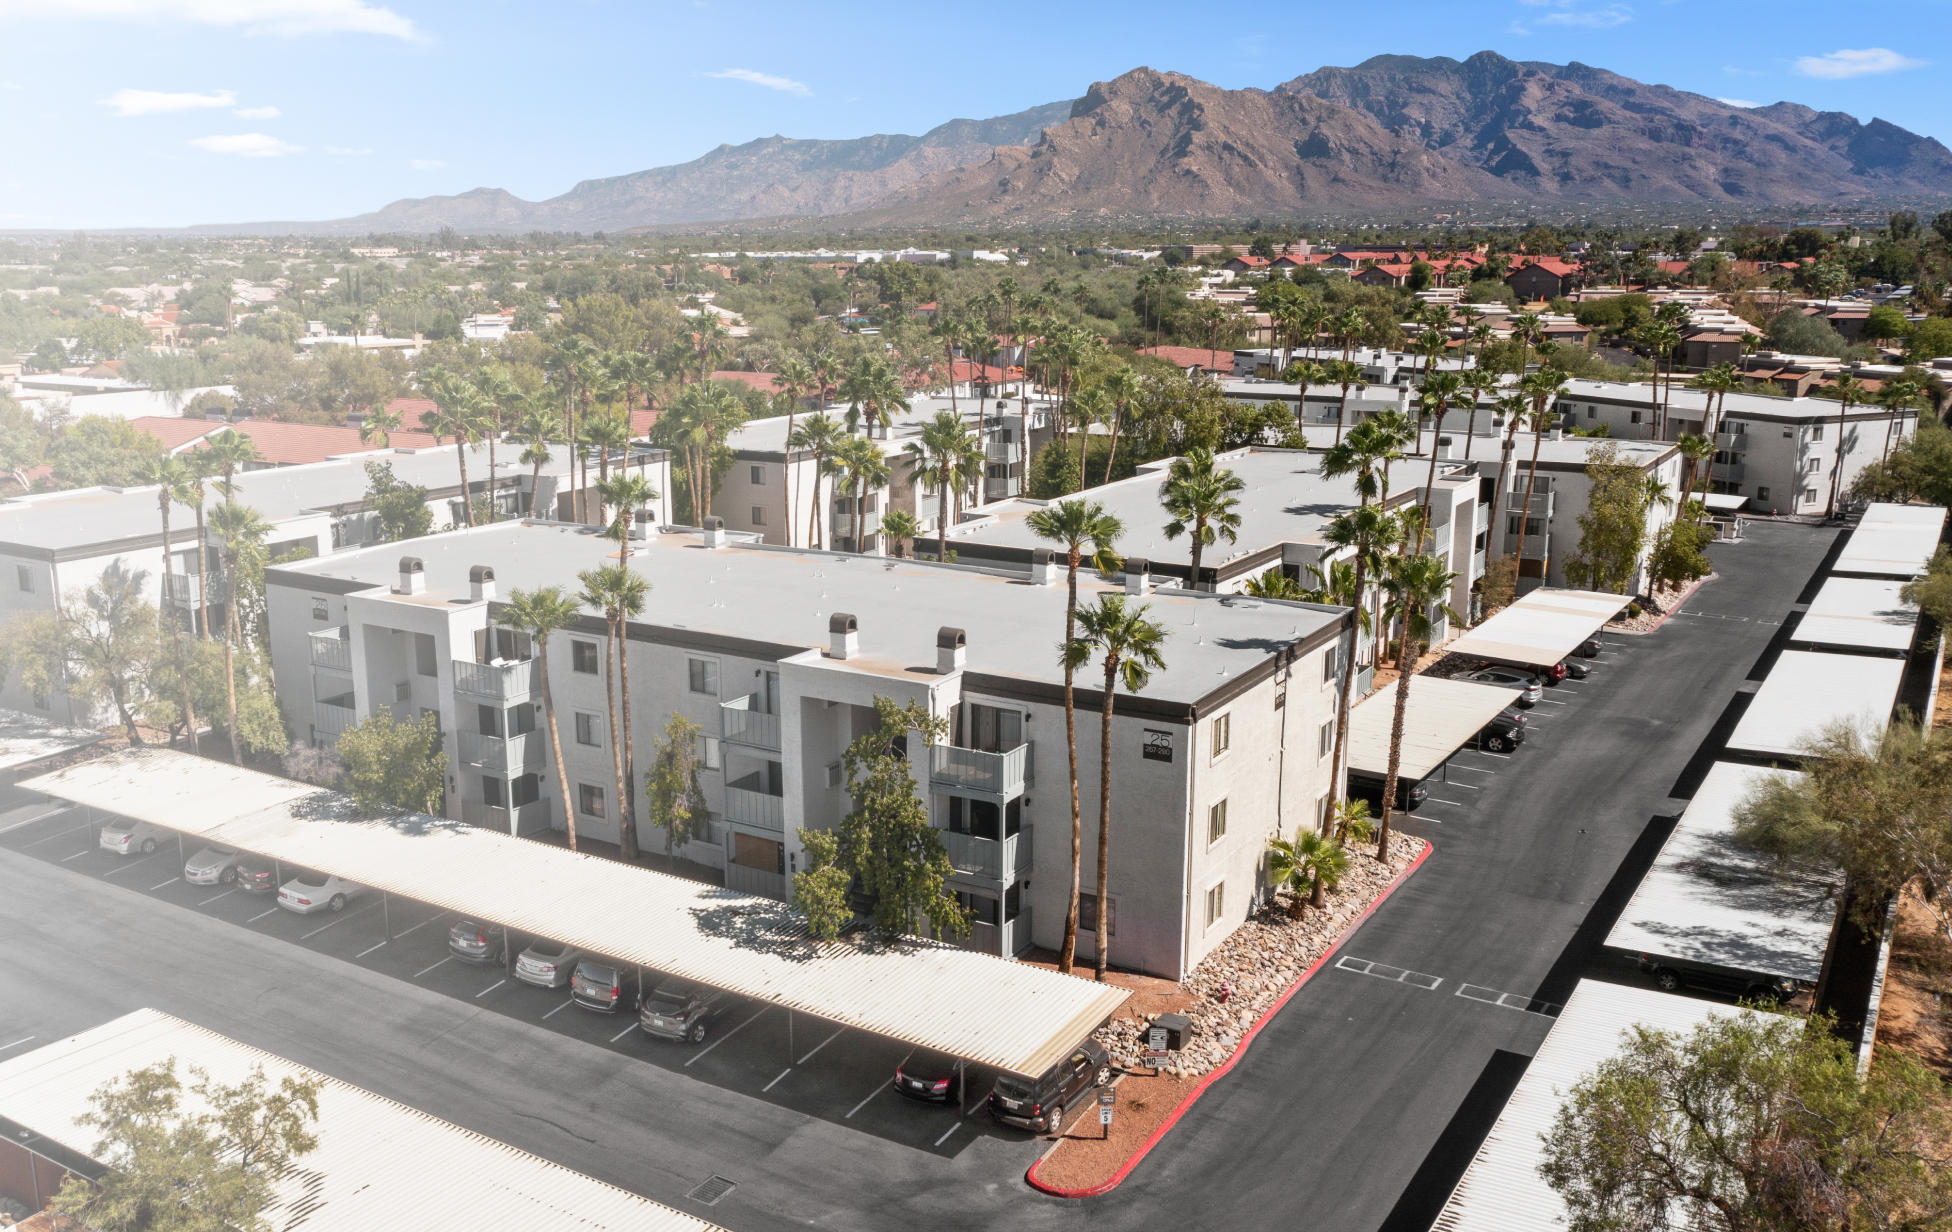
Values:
[(477, 943), (1728, 981), (1504, 733), (1364, 785), (680, 1009), (1041, 1104), (598, 985), (257, 875)]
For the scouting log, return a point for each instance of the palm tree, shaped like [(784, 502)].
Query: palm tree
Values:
[(1073, 524), (171, 477), (379, 425), (1896, 396), (708, 339), (1122, 388), (1129, 644), (627, 493), (619, 594), (1201, 499), (539, 613), (1274, 584), (1287, 318), (1343, 372), (898, 525), (794, 380), (1695, 451), (862, 469), (1362, 453), (605, 433), (574, 357), (1479, 334), (538, 430), (1714, 383), (1540, 388), (1849, 391), (198, 466), (1091, 406), (1314, 314), (951, 334), (1439, 388), (1348, 326), (1366, 533), (456, 413), (1659, 338), (1415, 585), (1528, 328), (944, 445), (1479, 381), (242, 529), (227, 453), (1304, 374), (1306, 867), (820, 434)]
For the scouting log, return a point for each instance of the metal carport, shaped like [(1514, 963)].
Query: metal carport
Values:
[(1893, 541), (1541, 627), (1807, 691), (1859, 614), (1708, 899), (1442, 717), (989, 1010)]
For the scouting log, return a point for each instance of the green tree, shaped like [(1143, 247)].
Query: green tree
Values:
[(1200, 498), (941, 455), (401, 507), (241, 529), (540, 613), (1930, 339), (818, 435), (1416, 587), (899, 527), (859, 468), (1129, 646), (99, 646), (97, 450), (394, 763), (459, 412), (1307, 867), (672, 787), (1677, 557), (1748, 1123), (1274, 584), (1366, 533), (177, 1165), (1849, 391), (170, 477), (1613, 529), (1885, 322), (1933, 592)]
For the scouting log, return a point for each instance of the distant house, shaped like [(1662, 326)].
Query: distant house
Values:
[(1391, 275), (1247, 265), (278, 444), (1706, 349), (1189, 359), (1544, 278)]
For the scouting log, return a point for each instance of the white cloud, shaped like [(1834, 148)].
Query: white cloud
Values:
[(257, 113), (11, 85), (1738, 102), (147, 102), (246, 145), (1837, 65), (1599, 19), (283, 18), (784, 84), (426, 164), (333, 149)]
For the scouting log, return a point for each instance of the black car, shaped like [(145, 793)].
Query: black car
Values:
[(258, 875), (1504, 733), (930, 1076), (1673, 976), (1364, 785), (680, 1009), (598, 985), (1041, 1105)]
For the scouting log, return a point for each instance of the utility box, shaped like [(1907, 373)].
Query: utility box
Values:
[(1169, 1033)]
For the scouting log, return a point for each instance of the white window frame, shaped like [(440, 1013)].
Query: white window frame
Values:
[(1326, 743), (1214, 905), (758, 476), (758, 515), (1220, 732), (712, 675), (1216, 822), (583, 793)]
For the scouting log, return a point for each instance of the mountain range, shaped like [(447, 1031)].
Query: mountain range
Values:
[(1391, 132)]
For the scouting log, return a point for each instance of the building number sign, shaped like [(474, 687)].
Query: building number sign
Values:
[(1158, 745)]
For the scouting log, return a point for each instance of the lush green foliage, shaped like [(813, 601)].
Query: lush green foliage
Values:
[(397, 764)]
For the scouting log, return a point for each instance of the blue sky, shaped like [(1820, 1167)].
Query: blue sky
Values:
[(169, 112)]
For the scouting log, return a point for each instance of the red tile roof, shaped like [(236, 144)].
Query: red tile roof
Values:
[(1193, 357), (969, 369), (1551, 265), (281, 444), (764, 382)]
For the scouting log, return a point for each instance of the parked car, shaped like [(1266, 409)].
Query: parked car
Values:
[(1577, 671), (680, 1009), (546, 964), (309, 892), (598, 984), (477, 943), (1365, 785), (1728, 981), (1529, 690), (1504, 733), (256, 874), (212, 866), (930, 1076), (1548, 673), (1041, 1104), (1588, 649), (129, 837)]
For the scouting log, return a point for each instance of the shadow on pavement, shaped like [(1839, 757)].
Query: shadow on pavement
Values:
[(1423, 1199)]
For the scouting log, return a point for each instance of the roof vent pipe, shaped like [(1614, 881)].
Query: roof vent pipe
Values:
[(413, 576), (1043, 567), (714, 532), (1138, 576), (950, 650), (481, 583), (843, 636)]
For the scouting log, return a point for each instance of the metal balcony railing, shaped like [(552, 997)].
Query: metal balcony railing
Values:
[(511, 753), (1003, 451), (1735, 442), (510, 682), (844, 524), (333, 648), (329, 720), (1000, 859), (529, 818), (999, 489), (998, 774), (1537, 547), (739, 723), (1540, 507), (187, 588), (1727, 472), (755, 808)]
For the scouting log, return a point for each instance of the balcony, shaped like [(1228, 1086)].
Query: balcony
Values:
[(1733, 442), (1000, 489), (511, 682), (1727, 472), (1537, 547), (187, 588), (1005, 940), (333, 648), (997, 859), (1477, 566), (1003, 451), (755, 808), (739, 723), (529, 818), (512, 754), (329, 720), (1004, 775), (1541, 506), (844, 524)]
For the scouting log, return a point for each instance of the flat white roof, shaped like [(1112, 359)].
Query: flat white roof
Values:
[(1892, 541), (1860, 612), (1723, 502), (1542, 627), (989, 1010), (1442, 716), (25, 739), (378, 1164), (1502, 1190), (1708, 899), (1807, 691)]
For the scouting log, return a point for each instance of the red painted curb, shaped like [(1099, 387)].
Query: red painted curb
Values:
[(1239, 1051)]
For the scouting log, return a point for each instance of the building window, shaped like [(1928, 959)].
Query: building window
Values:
[(704, 677), (588, 730), (1216, 823), (1326, 741), (708, 753), (1592, 412), (1633, 417), (1216, 903), (25, 578), (423, 654), (1816, 432), (836, 775), (1809, 494), (589, 800), (758, 476), (1815, 465), (1223, 728), (320, 610), (759, 515), (1088, 914), (583, 656)]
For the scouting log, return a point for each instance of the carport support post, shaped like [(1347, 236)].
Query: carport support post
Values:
[(181, 858), (386, 916), (962, 1087)]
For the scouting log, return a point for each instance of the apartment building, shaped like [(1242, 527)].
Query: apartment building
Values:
[(1561, 490), (779, 654)]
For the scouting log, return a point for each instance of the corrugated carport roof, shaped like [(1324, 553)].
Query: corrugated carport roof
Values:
[(378, 1164), (1862, 613), (1442, 716), (989, 1010), (1892, 541), (1807, 691), (1711, 900), (1541, 627), (1502, 1190)]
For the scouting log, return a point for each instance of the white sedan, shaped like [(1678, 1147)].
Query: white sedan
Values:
[(310, 892), (211, 866), (128, 837)]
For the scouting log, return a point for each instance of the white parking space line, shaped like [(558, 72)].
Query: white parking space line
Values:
[(1548, 701), (226, 894), (878, 1090), (822, 1044), (58, 834), (76, 856), (945, 1133), (1441, 800), (368, 950), (775, 1082), (498, 983), (38, 817), (425, 970), (1499, 756), (341, 920), (1465, 786), (728, 1035), (619, 1035), (552, 1013), (171, 881), (17, 1043), (254, 919), (126, 867), (1474, 769), (403, 932)]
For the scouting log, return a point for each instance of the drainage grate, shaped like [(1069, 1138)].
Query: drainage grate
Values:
[(711, 1190)]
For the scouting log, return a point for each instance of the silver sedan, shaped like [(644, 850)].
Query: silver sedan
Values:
[(211, 866), (547, 964)]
